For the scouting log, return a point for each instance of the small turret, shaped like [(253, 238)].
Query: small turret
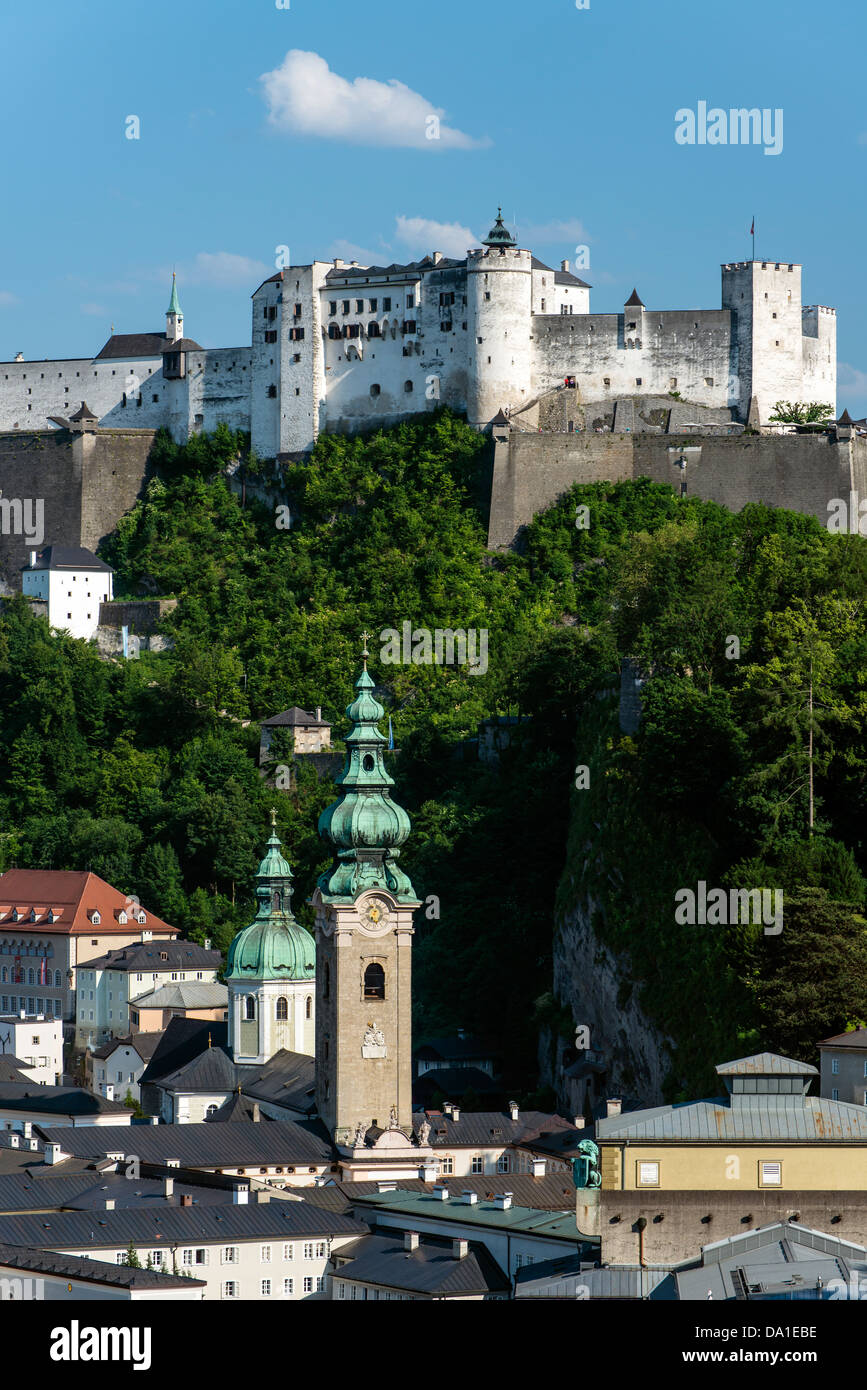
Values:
[(174, 315)]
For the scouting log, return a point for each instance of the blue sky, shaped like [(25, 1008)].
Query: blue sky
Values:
[(566, 116)]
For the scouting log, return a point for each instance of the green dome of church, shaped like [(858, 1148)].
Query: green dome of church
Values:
[(274, 946), (364, 825)]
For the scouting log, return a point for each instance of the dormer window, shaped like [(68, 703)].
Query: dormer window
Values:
[(95, 918), (142, 918), (164, 955), (121, 917)]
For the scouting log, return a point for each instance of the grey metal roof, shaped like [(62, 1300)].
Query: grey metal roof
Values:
[(565, 1279), (182, 1040), (765, 1064), (35, 1261), (184, 994), (768, 1118), (565, 277), (292, 717), (201, 1145), (781, 1260), (432, 1269), (550, 1193), (551, 1225), (69, 557), (396, 268), (145, 1044), (145, 957), (856, 1039), (488, 1128), (133, 345), (35, 1191), (212, 1070), (287, 1079), (178, 1225), (55, 1100)]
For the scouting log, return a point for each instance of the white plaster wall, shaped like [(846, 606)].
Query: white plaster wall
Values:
[(819, 348), (500, 369)]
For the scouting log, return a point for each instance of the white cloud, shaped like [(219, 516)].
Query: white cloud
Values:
[(422, 234), (221, 269), (97, 311), (305, 96)]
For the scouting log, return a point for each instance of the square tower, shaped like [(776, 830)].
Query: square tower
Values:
[(765, 300)]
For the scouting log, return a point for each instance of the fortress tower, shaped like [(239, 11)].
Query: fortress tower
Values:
[(499, 312), (174, 315)]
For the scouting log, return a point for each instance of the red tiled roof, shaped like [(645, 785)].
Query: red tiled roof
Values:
[(72, 897)]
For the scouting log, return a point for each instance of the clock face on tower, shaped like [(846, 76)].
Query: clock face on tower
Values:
[(375, 917)]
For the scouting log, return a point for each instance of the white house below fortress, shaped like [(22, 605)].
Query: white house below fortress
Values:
[(339, 347)]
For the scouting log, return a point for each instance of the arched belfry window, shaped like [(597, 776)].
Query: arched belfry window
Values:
[(308, 1007), (282, 1009), (374, 981), (250, 1008)]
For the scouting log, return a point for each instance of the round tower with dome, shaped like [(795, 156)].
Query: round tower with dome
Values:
[(499, 313), (271, 970)]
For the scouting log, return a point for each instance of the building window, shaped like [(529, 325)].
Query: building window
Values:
[(375, 389), (647, 1174), (265, 1254), (288, 1252), (408, 387), (308, 1285), (282, 1009), (266, 1288), (835, 1094), (770, 1174), (230, 1255), (708, 381), (477, 1165), (835, 1066), (386, 305), (374, 981), (250, 1008), (288, 1287), (272, 392), (504, 1164), (230, 1289)]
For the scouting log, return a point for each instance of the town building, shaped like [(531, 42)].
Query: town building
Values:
[(409, 1267), (51, 922), (151, 1012), (346, 347), (73, 583), (305, 733), (36, 1040), (117, 988), (27, 1274), (115, 1069), (843, 1067)]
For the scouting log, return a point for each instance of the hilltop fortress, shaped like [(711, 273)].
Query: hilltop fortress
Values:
[(344, 347), (570, 396)]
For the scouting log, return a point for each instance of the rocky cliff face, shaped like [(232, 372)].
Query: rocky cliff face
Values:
[(596, 986)]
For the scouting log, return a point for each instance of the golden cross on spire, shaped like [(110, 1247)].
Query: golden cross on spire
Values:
[(273, 816), (365, 637)]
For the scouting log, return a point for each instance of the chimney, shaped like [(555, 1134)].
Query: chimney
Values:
[(579, 1122), (456, 1114), (27, 1129), (168, 1187), (22, 1014), (318, 711), (240, 1194), (256, 1115), (460, 1248), (33, 559), (538, 1167), (564, 266), (440, 1192), (207, 943), (428, 1172), (109, 1204), (462, 1033), (52, 1153), (338, 263), (186, 1199), (386, 1187), (410, 1240), (513, 1109), (469, 1198), (613, 1107), (437, 257), (447, 1107), (502, 1200), (263, 1196)]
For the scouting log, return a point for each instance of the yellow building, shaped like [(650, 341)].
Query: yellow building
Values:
[(766, 1134)]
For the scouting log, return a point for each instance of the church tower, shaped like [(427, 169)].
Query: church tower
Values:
[(271, 970), (364, 926), (174, 315)]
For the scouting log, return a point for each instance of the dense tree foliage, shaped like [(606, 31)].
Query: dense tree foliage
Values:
[(749, 766)]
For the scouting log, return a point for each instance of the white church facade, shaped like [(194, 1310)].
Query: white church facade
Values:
[(337, 347)]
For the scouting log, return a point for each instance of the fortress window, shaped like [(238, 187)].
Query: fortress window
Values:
[(638, 381), (488, 294), (672, 383), (359, 306), (386, 305), (334, 330), (374, 981), (373, 330), (632, 325), (410, 301), (332, 306), (408, 386), (297, 312), (272, 391), (296, 334), (708, 381), (773, 316), (543, 304), (373, 303), (123, 401), (375, 389), (346, 306), (296, 357)]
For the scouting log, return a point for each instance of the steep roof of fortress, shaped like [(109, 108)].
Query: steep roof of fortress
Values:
[(561, 277), (396, 268), (134, 345)]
